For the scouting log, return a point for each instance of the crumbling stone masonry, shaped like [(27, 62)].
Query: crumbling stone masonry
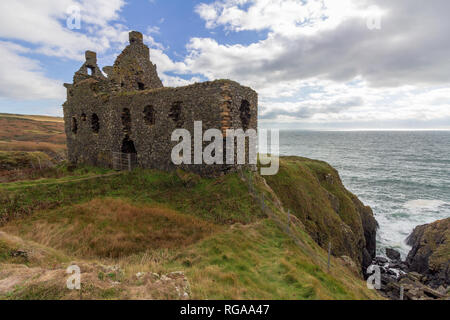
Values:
[(130, 111)]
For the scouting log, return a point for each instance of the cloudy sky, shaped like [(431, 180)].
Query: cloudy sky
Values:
[(316, 64)]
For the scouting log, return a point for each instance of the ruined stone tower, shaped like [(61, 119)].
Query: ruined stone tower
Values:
[(129, 111)]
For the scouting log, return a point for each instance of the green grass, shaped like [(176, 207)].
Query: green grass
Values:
[(55, 175), (41, 291), (313, 191), (10, 160), (152, 221), (111, 228), (223, 200), (262, 262)]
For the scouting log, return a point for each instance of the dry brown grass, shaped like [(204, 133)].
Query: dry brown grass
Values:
[(31, 146), (111, 228), (33, 117), (32, 133)]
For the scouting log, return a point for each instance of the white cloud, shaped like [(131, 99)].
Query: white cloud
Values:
[(23, 78), (41, 26), (320, 62)]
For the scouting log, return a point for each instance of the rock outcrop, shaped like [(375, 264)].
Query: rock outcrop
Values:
[(313, 191), (425, 273), (393, 254), (430, 253)]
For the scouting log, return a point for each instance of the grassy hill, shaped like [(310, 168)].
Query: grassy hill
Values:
[(118, 226), (31, 133), (148, 234), (29, 143)]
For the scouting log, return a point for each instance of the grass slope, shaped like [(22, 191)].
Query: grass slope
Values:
[(31, 133), (111, 228), (30, 146), (312, 190), (151, 222)]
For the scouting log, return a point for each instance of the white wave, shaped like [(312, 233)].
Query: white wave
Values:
[(397, 225), (423, 204)]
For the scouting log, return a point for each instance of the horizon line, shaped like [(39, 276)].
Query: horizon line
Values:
[(281, 129)]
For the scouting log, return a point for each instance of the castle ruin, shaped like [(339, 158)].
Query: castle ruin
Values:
[(128, 111)]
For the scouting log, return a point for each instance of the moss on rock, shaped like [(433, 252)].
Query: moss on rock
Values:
[(313, 191)]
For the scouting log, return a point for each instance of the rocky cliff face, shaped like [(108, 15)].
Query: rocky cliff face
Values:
[(430, 253), (425, 273), (313, 191)]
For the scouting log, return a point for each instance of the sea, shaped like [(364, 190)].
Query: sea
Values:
[(403, 175)]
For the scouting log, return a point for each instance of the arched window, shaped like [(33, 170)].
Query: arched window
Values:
[(149, 115), (175, 114), (126, 120), (245, 115), (95, 123), (83, 116), (74, 125)]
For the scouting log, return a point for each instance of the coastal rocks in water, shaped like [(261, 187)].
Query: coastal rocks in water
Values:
[(393, 254), (397, 283), (413, 289), (430, 253), (425, 273), (381, 261)]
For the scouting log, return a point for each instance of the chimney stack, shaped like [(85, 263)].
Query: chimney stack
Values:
[(136, 37)]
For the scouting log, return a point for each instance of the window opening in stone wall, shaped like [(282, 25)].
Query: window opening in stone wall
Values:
[(175, 114), (74, 125), (126, 120), (245, 114), (83, 116), (90, 71), (141, 86), (95, 123), (149, 115)]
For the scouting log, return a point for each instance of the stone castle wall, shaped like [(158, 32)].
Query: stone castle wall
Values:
[(118, 114)]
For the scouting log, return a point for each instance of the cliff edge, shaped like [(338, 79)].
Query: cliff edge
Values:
[(313, 191), (430, 253)]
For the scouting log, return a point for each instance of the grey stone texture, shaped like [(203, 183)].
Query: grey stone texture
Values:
[(130, 111)]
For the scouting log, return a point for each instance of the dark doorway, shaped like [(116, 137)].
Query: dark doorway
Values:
[(128, 145)]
